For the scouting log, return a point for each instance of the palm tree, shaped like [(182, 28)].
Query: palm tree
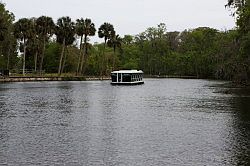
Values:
[(115, 42), (79, 31), (23, 30), (105, 31), (65, 32), (33, 45), (84, 28), (45, 29)]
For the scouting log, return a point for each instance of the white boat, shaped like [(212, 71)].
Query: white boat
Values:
[(127, 77)]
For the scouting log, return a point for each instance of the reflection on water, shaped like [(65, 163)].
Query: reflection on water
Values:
[(163, 122)]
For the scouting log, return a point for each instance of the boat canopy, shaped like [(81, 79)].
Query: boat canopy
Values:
[(128, 72), (127, 77)]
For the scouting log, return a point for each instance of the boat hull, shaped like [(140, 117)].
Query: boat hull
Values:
[(127, 83)]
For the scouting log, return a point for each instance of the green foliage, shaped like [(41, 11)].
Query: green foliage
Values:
[(23, 29), (114, 42), (7, 41), (242, 62), (200, 45), (84, 28), (128, 39), (105, 31), (202, 52), (65, 30), (6, 20), (51, 59), (45, 28), (65, 35)]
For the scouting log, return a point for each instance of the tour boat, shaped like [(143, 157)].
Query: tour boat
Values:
[(127, 77)]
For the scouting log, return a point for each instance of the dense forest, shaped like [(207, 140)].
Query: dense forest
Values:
[(41, 46)]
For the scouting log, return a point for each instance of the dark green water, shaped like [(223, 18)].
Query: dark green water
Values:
[(163, 122)]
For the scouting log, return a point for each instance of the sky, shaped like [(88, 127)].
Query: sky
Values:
[(131, 16)]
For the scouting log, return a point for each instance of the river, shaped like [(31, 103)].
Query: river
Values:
[(163, 122)]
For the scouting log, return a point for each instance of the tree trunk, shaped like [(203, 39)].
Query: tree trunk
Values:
[(42, 57), (8, 60), (64, 59), (83, 55), (196, 70), (85, 63), (24, 54), (113, 66), (61, 58), (35, 60), (103, 57), (79, 59), (82, 62)]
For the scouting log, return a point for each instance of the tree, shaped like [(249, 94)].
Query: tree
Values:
[(45, 29), (7, 39), (33, 47), (173, 40), (199, 44), (153, 44), (225, 58), (84, 28), (115, 42), (242, 71), (79, 31), (3, 25), (52, 56), (65, 32), (127, 39), (23, 30), (105, 31)]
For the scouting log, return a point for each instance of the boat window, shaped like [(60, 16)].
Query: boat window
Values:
[(126, 78), (114, 77)]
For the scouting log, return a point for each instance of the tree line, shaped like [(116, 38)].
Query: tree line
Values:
[(40, 45)]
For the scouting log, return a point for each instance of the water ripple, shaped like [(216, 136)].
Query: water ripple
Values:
[(163, 122)]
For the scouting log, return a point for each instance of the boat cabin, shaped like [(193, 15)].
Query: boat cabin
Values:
[(127, 77)]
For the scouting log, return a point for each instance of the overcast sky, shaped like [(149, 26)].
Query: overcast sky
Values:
[(131, 16)]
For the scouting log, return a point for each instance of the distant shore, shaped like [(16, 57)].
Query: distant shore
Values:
[(52, 78), (75, 78), (170, 76)]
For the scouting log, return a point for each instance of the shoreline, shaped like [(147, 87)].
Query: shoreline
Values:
[(74, 78), (34, 79), (93, 78), (77, 78)]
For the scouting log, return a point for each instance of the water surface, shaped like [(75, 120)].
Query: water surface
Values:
[(163, 122)]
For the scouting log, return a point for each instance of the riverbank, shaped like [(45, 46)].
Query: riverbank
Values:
[(170, 76), (52, 78), (75, 78)]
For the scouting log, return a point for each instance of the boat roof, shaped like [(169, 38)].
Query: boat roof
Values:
[(129, 71)]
